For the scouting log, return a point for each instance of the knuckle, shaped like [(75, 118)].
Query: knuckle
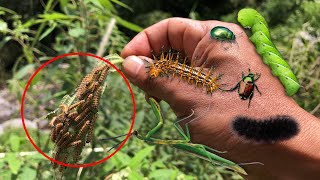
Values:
[(236, 27)]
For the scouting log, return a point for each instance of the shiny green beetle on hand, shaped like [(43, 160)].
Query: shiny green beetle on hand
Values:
[(222, 34)]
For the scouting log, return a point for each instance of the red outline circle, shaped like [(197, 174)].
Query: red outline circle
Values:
[(22, 109)]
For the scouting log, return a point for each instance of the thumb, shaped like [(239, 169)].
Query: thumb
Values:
[(135, 68)]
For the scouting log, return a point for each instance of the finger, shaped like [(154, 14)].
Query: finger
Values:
[(147, 97), (214, 52), (176, 33)]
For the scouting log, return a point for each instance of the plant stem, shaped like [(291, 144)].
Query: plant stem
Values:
[(47, 8), (106, 36)]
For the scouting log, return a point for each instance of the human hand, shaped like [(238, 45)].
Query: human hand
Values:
[(213, 128)]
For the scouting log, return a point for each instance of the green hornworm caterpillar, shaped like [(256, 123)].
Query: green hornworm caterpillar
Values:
[(250, 18)]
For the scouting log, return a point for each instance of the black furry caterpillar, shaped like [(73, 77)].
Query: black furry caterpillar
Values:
[(168, 63), (270, 130)]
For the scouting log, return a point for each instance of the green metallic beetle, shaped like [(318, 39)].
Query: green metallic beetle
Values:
[(222, 34)]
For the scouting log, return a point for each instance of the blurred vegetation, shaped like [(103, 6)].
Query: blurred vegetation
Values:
[(32, 33)]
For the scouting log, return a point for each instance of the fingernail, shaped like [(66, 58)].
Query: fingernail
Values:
[(132, 66)]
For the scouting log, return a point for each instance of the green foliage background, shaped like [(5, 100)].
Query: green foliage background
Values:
[(28, 39)]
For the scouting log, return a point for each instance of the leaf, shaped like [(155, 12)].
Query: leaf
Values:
[(14, 162), (120, 159), (14, 142), (24, 71), (76, 32), (122, 5), (37, 157), (163, 174), (29, 23), (108, 167), (3, 26), (114, 59), (5, 175), (128, 25), (139, 119), (96, 3), (56, 16), (107, 4), (60, 93), (4, 41), (158, 164), (135, 176), (2, 164), (63, 3), (51, 114), (35, 79), (27, 173), (8, 10), (140, 156), (48, 31), (44, 58), (28, 54)]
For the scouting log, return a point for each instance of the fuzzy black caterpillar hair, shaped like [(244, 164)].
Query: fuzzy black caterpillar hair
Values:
[(269, 130)]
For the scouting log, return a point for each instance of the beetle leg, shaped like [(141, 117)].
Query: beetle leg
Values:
[(219, 76), (257, 89), (250, 97), (258, 76), (232, 89)]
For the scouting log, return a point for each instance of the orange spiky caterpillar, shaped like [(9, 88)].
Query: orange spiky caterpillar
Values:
[(56, 157), (73, 126), (92, 81), (64, 159), (83, 130), (77, 152), (91, 128), (168, 63), (75, 143), (103, 74), (96, 98)]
